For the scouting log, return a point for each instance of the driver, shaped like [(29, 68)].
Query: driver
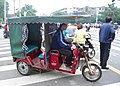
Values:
[(59, 43)]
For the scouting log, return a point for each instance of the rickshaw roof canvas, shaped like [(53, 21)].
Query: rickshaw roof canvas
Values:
[(46, 19)]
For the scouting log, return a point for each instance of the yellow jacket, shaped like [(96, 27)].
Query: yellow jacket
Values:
[(80, 36)]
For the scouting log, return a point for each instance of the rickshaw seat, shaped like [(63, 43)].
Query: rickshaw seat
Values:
[(31, 48)]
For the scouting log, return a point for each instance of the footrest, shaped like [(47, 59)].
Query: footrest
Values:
[(41, 56)]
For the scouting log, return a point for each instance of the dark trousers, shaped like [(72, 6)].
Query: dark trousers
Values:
[(104, 53), (68, 54)]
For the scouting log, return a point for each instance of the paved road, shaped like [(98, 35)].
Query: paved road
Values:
[(9, 75)]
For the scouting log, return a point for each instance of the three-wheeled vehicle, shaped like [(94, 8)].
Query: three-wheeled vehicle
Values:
[(26, 40)]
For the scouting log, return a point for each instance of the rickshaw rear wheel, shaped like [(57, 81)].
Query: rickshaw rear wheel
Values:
[(23, 68), (95, 75)]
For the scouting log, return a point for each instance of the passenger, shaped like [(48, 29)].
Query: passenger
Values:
[(65, 32), (59, 43), (80, 35)]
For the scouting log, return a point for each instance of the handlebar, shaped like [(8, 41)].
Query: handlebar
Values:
[(77, 45), (80, 45), (88, 36)]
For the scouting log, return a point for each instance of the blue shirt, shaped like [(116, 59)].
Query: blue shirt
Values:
[(65, 32), (106, 32)]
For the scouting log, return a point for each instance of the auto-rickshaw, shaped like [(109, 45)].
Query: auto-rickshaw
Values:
[(29, 34)]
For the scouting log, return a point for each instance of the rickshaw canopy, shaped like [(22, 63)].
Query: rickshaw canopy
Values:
[(25, 31), (46, 19)]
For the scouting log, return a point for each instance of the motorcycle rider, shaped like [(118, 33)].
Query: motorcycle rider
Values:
[(59, 43), (6, 33)]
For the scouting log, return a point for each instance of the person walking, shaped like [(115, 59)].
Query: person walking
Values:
[(106, 37)]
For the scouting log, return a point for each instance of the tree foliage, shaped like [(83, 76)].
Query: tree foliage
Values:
[(111, 11), (59, 13), (27, 10), (2, 9)]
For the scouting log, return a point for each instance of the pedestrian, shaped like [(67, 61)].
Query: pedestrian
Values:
[(106, 37), (0, 26), (87, 27), (71, 30)]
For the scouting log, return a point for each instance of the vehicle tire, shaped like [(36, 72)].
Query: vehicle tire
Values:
[(96, 73), (5, 36), (91, 53), (23, 68)]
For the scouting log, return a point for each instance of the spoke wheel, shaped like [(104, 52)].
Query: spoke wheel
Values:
[(95, 75), (23, 68), (91, 53)]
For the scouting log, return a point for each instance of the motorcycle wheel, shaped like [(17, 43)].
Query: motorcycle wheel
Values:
[(95, 75), (23, 68), (5, 36), (91, 53)]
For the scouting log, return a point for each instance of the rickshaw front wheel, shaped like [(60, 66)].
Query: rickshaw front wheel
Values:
[(95, 75), (23, 68)]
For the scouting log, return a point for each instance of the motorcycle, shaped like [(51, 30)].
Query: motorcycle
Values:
[(5, 34), (89, 47)]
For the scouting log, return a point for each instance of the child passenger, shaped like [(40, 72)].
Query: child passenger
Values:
[(80, 35)]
